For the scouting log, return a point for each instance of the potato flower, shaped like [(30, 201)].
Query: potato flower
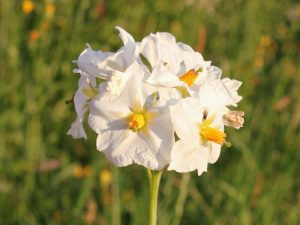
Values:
[(176, 64), (201, 134), (133, 128), (94, 65)]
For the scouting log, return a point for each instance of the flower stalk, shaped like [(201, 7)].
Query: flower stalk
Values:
[(154, 179)]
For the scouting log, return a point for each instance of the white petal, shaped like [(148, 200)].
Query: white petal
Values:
[(105, 108), (133, 94), (125, 56), (215, 95), (214, 73), (162, 132), (185, 158), (116, 82), (185, 48), (115, 146), (191, 58), (110, 110), (124, 147), (149, 152), (89, 60), (125, 36), (209, 74), (161, 47), (77, 130), (80, 102), (97, 122), (161, 76), (214, 151), (148, 49), (233, 86), (167, 96), (81, 107), (186, 117)]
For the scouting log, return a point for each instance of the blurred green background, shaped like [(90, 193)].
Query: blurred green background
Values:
[(46, 177)]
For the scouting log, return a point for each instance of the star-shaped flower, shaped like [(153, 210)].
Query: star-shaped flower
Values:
[(133, 128), (201, 134)]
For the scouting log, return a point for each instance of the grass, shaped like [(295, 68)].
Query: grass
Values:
[(46, 177)]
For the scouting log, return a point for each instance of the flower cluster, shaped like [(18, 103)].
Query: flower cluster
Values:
[(156, 103)]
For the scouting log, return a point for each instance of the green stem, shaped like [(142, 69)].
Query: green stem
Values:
[(149, 178), (154, 179)]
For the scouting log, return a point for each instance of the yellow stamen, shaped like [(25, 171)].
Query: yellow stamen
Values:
[(136, 121), (209, 133), (190, 77), (212, 134)]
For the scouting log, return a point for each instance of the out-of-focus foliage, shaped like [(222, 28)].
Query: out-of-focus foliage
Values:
[(46, 177)]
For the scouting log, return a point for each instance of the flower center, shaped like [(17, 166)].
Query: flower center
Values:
[(136, 121), (190, 77), (209, 133)]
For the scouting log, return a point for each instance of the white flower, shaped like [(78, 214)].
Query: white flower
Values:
[(130, 130), (170, 60), (105, 65), (85, 92), (178, 65), (200, 133)]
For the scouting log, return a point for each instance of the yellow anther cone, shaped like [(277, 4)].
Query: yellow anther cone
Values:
[(136, 121), (189, 77)]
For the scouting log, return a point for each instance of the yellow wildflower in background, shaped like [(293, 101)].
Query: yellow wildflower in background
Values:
[(28, 6), (105, 177), (265, 41), (78, 171), (50, 10), (81, 172)]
